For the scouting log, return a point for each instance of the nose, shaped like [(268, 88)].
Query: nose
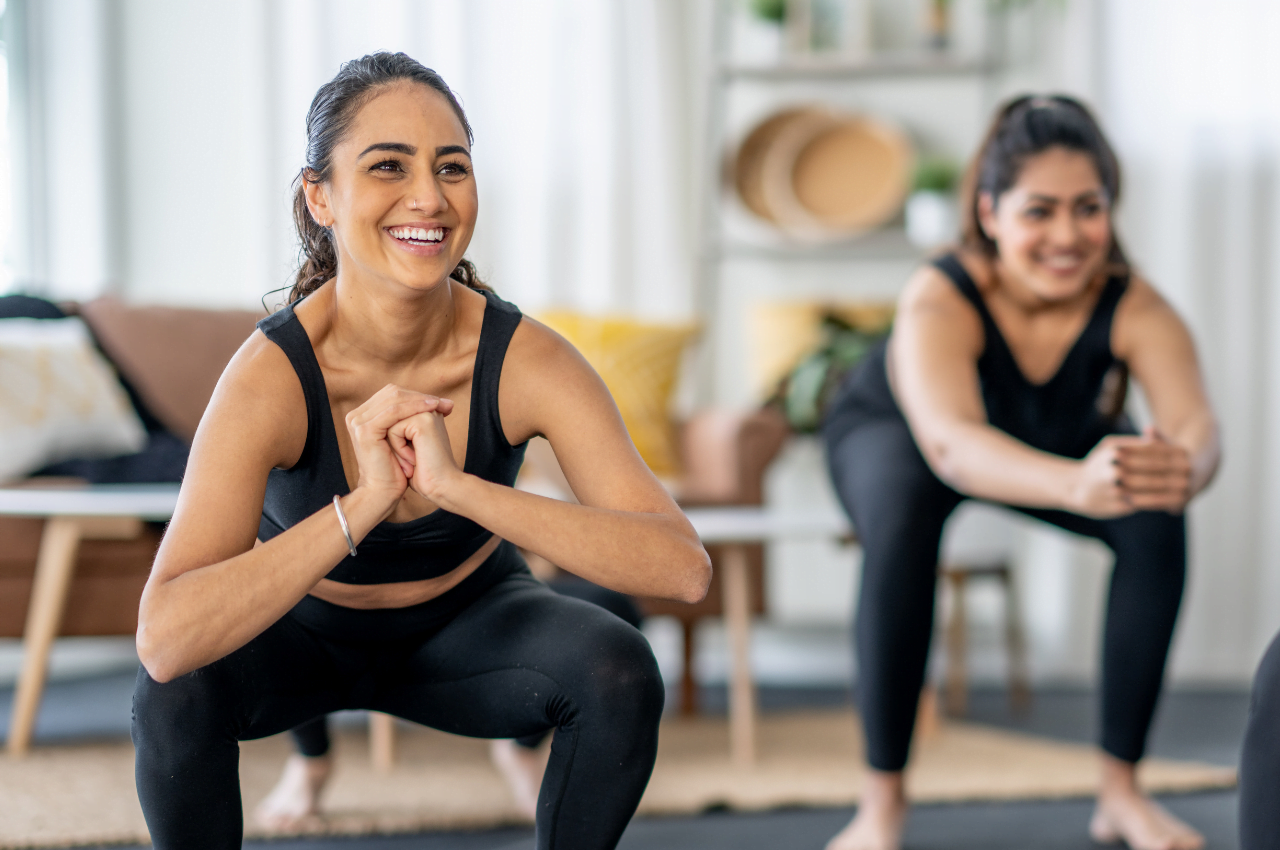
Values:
[(425, 195), (1064, 230)]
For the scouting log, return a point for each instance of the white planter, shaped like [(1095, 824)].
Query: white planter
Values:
[(931, 219)]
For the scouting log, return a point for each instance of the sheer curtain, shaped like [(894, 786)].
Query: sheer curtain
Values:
[(580, 121), (185, 121), (1190, 97)]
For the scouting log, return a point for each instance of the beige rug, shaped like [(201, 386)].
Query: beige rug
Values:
[(65, 796)]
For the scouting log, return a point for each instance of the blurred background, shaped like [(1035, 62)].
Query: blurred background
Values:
[(149, 148)]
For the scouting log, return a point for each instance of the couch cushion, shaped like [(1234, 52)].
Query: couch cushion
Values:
[(59, 398), (172, 356)]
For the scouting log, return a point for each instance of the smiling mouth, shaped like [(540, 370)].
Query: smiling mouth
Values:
[(419, 235)]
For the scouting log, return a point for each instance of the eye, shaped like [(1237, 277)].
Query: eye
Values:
[(1036, 213), (455, 170), (387, 166), (1089, 208)]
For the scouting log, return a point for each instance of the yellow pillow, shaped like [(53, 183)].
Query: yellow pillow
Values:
[(639, 363), (783, 333)]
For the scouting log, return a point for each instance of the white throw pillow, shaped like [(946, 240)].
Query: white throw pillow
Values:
[(59, 398)]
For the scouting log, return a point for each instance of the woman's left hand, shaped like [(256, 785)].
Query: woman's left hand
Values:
[(425, 436)]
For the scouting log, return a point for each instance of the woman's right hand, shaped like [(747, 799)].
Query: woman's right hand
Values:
[(384, 473), (1097, 490), (1124, 474)]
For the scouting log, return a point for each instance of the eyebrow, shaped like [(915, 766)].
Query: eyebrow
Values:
[(395, 147), (410, 150), (1050, 199)]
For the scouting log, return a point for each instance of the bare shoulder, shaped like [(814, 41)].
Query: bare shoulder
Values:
[(544, 373), (1142, 317), (930, 307), (539, 353), (259, 404)]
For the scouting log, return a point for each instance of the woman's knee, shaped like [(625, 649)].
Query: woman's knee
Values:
[(619, 674), (179, 712)]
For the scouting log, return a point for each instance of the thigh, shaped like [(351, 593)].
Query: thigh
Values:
[(897, 505), (283, 677), (517, 661)]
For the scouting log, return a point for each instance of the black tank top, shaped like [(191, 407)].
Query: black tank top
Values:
[(1060, 416), (422, 548)]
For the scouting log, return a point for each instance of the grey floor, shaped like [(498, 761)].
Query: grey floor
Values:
[(1198, 724)]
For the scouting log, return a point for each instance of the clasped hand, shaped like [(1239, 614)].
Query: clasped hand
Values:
[(400, 441), (1124, 474)]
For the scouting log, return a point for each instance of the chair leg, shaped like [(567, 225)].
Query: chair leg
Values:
[(957, 693), (928, 717), (54, 566), (382, 741), (688, 682), (742, 689), (1015, 642)]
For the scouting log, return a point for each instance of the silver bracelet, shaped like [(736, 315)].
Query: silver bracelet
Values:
[(346, 529)]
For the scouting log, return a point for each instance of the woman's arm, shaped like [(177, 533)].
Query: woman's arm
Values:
[(1184, 446), (626, 534), (937, 339), (210, 591)]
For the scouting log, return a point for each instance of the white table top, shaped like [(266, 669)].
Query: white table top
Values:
[(750, 524), (746, 524), (144, 501)]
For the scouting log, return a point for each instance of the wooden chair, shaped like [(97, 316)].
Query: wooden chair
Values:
[(956, 577)]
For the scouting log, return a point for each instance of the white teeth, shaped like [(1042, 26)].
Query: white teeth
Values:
[(418, 234)]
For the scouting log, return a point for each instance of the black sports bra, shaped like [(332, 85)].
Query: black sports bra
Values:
[(1060, 415), (422, 548)]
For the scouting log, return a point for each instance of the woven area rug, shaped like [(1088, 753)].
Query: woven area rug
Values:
[(79, 795)]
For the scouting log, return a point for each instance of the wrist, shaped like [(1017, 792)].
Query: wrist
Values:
[(1073, 486), (451, 491), (365, 509)]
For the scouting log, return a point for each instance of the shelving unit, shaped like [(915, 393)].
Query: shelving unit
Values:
[(727, 76)]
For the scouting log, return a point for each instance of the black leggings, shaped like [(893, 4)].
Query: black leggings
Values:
[(1260, 759), (499, 656), (312, 737), (898, 507)]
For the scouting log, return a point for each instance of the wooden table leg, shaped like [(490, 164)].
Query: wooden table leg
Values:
[(742, 691), (54, 566), (382, 741)]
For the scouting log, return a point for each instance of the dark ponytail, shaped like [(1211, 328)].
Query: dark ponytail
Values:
[(332, 112), (1024, 127)]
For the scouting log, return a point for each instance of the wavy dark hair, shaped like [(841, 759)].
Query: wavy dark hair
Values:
[(1024, 127), (332, 112)]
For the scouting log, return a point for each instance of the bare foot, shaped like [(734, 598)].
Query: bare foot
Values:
[(882, 814), (296, 797), (1125, 814), (522, 768)]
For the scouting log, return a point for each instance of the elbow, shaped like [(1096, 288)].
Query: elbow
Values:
[(697, 577), (943, 461), (161, 665)]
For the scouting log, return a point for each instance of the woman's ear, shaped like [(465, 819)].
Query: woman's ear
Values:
[(987, 216), (317, 195)]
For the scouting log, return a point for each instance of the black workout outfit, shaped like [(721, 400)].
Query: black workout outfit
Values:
[(1260, 758), (498, 656), (899, 506)]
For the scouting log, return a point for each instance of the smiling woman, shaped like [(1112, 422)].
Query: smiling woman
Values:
[(311, 567), (999, 383)]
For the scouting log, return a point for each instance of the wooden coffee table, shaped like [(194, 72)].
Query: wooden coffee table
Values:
[(71, 514), (735, 528)]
